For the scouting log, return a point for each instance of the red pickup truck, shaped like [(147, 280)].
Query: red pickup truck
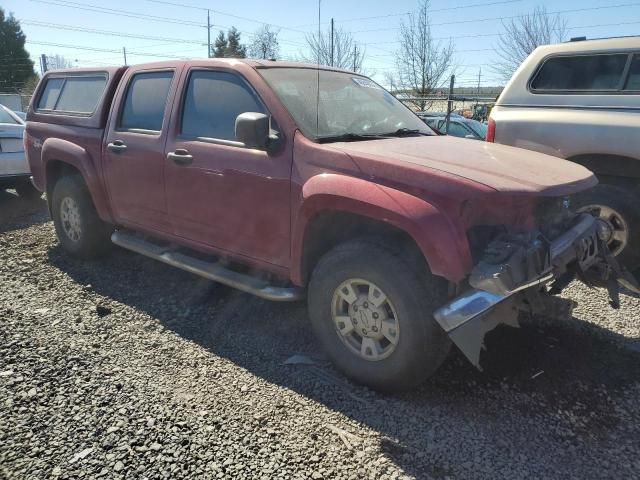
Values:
[(285, 180)]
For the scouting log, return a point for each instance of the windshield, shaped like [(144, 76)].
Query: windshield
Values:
[(349, 104), (6, 116), (478, 127)]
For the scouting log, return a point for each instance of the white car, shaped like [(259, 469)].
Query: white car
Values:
[(14, 168)]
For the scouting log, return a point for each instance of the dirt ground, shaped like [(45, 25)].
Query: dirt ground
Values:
[(127, 368)]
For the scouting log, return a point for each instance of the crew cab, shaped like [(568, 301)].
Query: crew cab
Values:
[(288, 180)]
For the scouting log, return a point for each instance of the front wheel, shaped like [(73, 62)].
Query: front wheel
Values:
[(372, 311)]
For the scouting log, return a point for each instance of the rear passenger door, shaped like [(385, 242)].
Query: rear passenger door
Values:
[(221, 193), (133, 155)]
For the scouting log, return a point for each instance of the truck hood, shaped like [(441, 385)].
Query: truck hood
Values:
[(500, 167)]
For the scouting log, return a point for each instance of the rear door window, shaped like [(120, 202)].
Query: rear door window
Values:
[(145, 102), (50, 94), (212, 103), (633, 83), (74, 94), (581, 73), (81, 94)]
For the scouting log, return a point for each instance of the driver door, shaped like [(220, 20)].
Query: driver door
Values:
[(220, 193)]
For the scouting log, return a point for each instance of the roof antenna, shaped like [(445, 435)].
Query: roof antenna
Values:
[(318, 91)]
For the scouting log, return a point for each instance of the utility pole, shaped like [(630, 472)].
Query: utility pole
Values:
[(332, 42), (355, 57), (479, 77), (208, 34), (124, 53), (450, 102), (43, 61)]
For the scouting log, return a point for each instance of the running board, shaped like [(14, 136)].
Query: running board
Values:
[(212, 271)]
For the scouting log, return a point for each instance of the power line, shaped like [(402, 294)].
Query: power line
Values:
[(457, 22), (390, 15), (131, 35), (391, 54), (121, 13), (107, 50), (106, 32), (481, 35), (248, 19)]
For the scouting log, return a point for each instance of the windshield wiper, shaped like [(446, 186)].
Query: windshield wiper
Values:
[(354, 137), (351, 137), (401, 132)]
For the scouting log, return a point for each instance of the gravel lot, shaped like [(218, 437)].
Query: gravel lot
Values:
[(126, 368)]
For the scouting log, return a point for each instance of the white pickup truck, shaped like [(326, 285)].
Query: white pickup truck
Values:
[(580, 101)]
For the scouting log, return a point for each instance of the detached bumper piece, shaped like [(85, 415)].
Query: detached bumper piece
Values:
[(517, 262)]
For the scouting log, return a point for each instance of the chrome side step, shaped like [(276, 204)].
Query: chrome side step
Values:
[(212, 271)]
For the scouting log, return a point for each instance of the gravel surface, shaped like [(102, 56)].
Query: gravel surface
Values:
[(126, 368)]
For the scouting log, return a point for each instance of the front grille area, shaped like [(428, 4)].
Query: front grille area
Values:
[(479, 238), (553, 216)]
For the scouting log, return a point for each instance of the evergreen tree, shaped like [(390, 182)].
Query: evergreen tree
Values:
[(16, 68), (235, 49), (220, 45)]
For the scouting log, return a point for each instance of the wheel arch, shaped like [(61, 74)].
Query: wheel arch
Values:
[(619, 170), (61, 158), (336, 208)]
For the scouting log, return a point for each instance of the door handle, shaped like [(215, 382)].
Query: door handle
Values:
[(117, 146), (180, 157)]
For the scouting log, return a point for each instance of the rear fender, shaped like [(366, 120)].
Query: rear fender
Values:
[(443, 245), (59, 150)]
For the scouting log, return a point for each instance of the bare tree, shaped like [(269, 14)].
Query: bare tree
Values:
[(391, 81), (422, 62), (346, 54), (522, 35), (55, 62), (265, 43)]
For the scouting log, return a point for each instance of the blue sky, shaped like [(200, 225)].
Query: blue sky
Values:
[(180, 30)]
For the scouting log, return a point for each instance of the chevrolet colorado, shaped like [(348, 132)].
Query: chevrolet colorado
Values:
[(285, 180)]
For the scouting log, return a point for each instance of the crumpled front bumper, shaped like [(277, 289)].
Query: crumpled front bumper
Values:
[(493, 298)]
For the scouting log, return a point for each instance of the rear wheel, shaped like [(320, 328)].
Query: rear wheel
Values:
[(79, 228), (372, 310), (620, 210)]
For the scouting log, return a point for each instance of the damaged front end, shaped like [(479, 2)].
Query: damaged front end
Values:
[(520, 269)]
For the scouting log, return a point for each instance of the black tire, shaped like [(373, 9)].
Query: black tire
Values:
[(627, 204), (422, 344), (26, 190), (94, 234)]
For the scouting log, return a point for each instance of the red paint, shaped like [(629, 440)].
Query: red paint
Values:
[(256, 206)]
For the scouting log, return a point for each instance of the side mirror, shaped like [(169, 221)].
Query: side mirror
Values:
[(252, 129)]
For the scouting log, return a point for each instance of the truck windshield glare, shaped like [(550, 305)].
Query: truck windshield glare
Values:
[(349, 105)]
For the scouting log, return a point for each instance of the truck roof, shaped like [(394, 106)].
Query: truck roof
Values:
[(594, 45), (229, 62)]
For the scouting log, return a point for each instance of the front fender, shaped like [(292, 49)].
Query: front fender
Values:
[(442, 242), (59, 150)]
